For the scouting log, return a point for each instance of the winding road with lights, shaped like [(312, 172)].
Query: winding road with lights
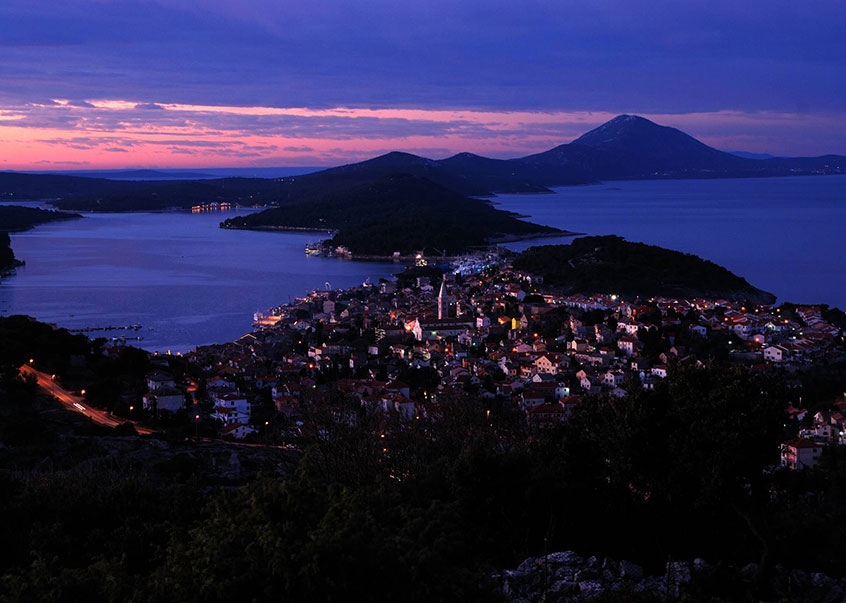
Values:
[(76, 403)]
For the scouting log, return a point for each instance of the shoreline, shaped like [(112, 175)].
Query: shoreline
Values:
[(371, 257)]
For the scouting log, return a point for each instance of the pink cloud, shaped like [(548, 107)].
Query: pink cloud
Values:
[(125, 133)]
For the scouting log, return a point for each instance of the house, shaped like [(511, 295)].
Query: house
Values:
[(561, 388), (236, 430), (627, 344), (578, 345), (592, 385), (776, 353), (614, 378), (159, 380), (533, 396), (231, 408), (219, 383), (551, 364), (432, 329), (800, 454), (660, 371), (546, 415), (164, 399), (796, 414)]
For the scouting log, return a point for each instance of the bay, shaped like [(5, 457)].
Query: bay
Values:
[(189, 283), (186, 281)]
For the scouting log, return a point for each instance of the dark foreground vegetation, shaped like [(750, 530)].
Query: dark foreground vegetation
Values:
[(609, 264), (379, 509)]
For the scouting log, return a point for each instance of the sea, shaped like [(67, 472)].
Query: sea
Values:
[(183, 279), (187, 282), (784, 235)]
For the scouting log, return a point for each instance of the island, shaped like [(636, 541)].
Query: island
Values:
[(610, 264), (399, 214), (16, 218)]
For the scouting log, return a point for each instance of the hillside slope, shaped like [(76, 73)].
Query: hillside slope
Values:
[(402, 213), (610, 265)]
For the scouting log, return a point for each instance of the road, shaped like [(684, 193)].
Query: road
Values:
[(76, 403)]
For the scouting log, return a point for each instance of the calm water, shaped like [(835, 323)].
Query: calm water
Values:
[(784, 235), (186, 281)]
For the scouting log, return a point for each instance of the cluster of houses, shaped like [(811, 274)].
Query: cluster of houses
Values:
[(827, 429), (491, 334)]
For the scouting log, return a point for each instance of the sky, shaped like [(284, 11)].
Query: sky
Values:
[(98, 84)]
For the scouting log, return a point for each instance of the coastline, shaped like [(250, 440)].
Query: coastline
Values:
[(281, 228), (405, 257)]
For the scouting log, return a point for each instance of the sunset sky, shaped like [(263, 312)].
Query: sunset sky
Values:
[(162, 83)]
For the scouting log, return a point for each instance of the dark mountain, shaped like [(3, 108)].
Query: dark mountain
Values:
[(159, 195), (476, 177), (610, 264), (465, 173), (401, 212), (627, 147), (495, 175), (565, 164), (634, 147), (14, 185), (631, 147)]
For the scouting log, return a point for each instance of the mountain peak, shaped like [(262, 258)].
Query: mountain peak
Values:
[(636, 147), (626, 118), (621, 126)]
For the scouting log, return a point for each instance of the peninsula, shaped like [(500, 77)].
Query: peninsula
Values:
[(610, 264), (400, 213)]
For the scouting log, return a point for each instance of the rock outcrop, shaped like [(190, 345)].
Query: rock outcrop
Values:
[(567, 577)]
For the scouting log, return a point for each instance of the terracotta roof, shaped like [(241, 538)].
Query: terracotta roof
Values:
[(802, 443)]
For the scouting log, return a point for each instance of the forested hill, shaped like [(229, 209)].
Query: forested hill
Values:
[(17, 218), (610, 264), (402, 213)]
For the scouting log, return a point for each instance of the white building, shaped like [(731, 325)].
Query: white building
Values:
[(800, 454)]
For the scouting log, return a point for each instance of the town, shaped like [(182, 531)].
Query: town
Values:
[(477, 329)]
